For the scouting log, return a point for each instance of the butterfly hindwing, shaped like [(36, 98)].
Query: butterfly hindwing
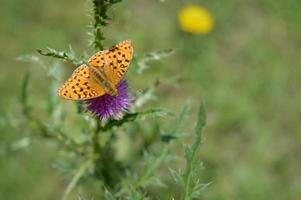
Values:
[(80, 86)]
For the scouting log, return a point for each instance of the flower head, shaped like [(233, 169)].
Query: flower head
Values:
[(108, 106), (195, 19)]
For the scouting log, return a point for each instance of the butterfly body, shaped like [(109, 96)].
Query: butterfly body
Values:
[(100, 75), (103, 81)]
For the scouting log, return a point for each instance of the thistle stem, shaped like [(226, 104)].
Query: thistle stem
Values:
[(99, 10), (100, 19)]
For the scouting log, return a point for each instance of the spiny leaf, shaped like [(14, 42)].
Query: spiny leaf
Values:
[(156, 55), (28, 58), (167, 138), (171, 135), (81, 171), (154, 161), (20, 144), (201, 119), (191, 156), (128, 117), (187, 152), (157, 112), (68, 56), (14, 146), (146, 95), (180, 120), (109, 195), (26, 108), (198, 189), (177, 176)]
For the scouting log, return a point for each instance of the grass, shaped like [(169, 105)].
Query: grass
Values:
[(247, 70)]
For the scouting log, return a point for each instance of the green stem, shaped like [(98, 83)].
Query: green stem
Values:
[(95, 142), (99, 9), (100, 19)]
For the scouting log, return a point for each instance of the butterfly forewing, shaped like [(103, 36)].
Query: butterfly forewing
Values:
[(81, 86), (98, 59), (115, 61)]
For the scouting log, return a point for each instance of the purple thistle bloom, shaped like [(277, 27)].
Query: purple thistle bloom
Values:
[(108, 106)]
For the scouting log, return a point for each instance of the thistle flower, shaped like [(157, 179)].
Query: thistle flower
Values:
[(108, 106), (195, 19)]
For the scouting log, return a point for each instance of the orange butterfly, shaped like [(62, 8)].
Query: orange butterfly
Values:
[(101, 75)]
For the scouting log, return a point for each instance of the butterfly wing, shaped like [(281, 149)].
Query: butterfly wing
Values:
[(98, 59), (115, 61), (80, 86)]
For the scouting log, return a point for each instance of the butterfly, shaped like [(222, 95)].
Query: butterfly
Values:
[(100, 75)]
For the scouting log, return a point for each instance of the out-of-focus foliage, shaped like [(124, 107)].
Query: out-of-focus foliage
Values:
[(91, 158), (247, 69)]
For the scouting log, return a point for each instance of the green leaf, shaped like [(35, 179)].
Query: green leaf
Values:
[(191, 157), (143, 64), (145, 96), (198, 189), (187, 152), (153, 161), (20, 144), (28, 58), (108, 195), (26, 108), (68, 56), (167, 138), (180, 120), (128, 117), (177, 176), (80, 172), (201, 120)]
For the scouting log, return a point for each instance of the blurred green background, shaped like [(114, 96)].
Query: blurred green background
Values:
[(247, 70)]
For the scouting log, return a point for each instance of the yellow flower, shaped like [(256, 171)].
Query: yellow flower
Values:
[(195, 19)]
